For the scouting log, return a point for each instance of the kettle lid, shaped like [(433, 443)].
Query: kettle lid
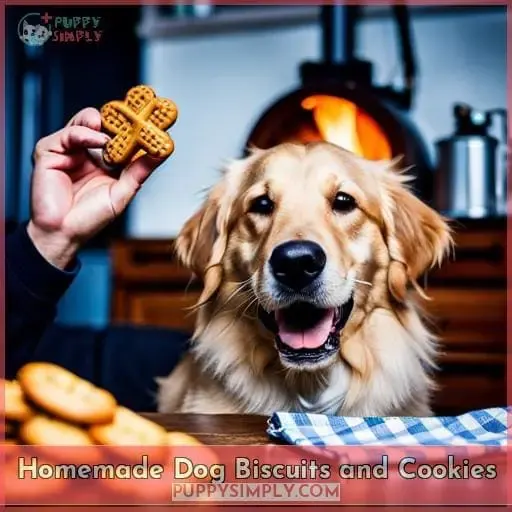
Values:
[(469, 121)]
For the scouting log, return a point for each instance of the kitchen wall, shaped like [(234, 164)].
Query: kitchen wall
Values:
[(222, 82)]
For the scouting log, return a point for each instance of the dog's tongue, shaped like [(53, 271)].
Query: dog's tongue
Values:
[(313, 337)]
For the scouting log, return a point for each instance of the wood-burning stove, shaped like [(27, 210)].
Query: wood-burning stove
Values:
[(338, 102)]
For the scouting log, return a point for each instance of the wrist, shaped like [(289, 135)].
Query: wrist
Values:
[(55, 247)]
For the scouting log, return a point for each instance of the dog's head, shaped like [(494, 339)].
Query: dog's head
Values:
[(311, 239)]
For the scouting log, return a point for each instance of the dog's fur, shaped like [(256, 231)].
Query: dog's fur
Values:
[(390, 239)]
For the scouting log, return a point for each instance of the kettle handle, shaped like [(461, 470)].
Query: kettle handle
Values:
[(501, 112), (501, 170)]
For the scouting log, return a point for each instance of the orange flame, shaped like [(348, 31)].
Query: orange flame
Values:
[(341, 122)]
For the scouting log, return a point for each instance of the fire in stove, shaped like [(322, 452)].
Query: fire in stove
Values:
[(343, 123), (338, 102)]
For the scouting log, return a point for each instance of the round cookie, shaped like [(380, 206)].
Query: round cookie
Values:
[(129, 429), (45, 431), (65, 395), (16, 407)]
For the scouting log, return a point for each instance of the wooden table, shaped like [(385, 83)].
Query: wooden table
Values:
[(217, 429)]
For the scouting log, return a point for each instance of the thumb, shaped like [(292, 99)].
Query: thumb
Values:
[(131, 179)]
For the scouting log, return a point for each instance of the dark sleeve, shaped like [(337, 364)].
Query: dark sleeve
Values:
[(33, 288), (123, 360)]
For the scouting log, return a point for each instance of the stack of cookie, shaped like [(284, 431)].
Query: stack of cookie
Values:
[(49, 406)]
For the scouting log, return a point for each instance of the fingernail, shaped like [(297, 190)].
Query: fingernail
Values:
[(96, 155)]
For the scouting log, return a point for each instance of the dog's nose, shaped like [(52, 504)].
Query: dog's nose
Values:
[(296, 264)]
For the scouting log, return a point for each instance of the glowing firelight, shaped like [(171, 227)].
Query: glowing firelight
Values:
[(341, 122)]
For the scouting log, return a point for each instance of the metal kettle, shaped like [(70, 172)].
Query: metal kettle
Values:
[(470, 181)]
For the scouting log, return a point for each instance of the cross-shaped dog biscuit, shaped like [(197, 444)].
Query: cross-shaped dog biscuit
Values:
[(139, 125)]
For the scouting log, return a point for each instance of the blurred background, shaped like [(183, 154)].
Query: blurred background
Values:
[(426, 82)]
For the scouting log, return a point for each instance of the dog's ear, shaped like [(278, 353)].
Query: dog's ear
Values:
[(201, 243), (195, 241), (418, 238)]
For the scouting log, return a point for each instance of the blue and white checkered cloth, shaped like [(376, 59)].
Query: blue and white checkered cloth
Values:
[(486, 427)]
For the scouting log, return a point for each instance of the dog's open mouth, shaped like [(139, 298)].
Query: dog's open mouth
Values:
[(306, 334)]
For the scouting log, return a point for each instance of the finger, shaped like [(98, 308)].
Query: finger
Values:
[(130, 180), (70, 138), (63, 161), (141, 169), (78, 137), (89, 117)]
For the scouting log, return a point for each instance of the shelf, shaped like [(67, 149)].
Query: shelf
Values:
[(154, 25)]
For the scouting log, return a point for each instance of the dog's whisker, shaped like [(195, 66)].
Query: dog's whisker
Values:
[(233, 311), (245, 281), (237, 290), (247, 304), (359, 281), (254, 300), (233, 321), (229, 312)]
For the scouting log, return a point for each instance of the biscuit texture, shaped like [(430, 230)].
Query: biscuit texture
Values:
[(129, 429), (45, 431), (65, 395), (138, 126)]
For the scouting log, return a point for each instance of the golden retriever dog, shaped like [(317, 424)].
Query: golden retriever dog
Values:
[(310, 258)]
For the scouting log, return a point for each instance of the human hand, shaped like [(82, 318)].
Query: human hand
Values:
[(72, 198)]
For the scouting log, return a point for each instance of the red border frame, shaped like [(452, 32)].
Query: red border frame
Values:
[(68, 3)]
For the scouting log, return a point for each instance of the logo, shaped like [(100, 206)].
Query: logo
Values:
[(36, 29)]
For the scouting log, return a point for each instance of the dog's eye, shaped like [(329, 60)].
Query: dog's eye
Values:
[(262, 205), (343, 203)]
